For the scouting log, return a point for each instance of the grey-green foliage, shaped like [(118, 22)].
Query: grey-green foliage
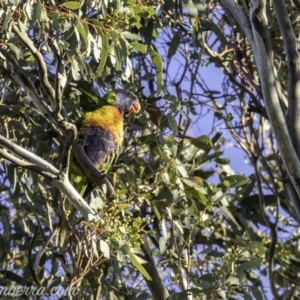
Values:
[(176, 192)]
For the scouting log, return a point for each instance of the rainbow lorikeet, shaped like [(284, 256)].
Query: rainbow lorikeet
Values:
[(101, 130)]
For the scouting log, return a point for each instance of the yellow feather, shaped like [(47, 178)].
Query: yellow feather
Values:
[(108, 117)]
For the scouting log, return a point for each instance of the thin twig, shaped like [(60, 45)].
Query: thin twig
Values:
[(30, 246), (43, 250), (42, 67), (58, 79)]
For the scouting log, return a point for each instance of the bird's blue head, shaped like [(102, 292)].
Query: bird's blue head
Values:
[(126, 101)]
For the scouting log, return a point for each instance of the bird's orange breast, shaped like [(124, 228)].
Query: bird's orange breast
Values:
[(107, 117)]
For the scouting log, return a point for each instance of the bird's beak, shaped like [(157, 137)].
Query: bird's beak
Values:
[(135, 107)]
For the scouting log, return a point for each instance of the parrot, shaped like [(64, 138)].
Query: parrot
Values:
[(101, 131)]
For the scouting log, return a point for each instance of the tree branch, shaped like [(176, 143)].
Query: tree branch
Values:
[(32, 158), (263, 56), (239, 16), (71, 134), (155, 285), (40, 166), (24, 164), (58, 78), (293, 64), (42, 67), (262, 48)]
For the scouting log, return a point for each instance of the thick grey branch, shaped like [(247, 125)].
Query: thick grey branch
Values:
[(240, 18), (271, 97), (293, 64), (156, 285), (25, 164), (45, 169), (32, 158), (245, 25)]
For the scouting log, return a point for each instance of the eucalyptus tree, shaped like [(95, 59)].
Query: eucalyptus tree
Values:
[(170, 219)]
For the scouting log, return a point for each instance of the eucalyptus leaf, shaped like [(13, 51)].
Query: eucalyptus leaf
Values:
[(104, 54), (158, 63), (72, 5)]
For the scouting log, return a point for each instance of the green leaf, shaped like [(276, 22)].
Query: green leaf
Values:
[(143, 296), (7, 21), (69, 32), (72, 5), (228, 215), (214, 28), (176, 223), (247, 296), (208, 277), (97, 48), (202, 142), (131, 36), (173, 124), (251, 264), (104, 248), (174, 45), (202, 198), (237, 180), (257, 248), (95, 250), (164, 229), (216, 137), (222, 161), (13, 277), (192, 8), (140, 47), (16, 51), (222, 293), (165, 193), (27, 8), (158, 63), (196, 33), (248, 189), (37, 11), (136, 263), (123, 49), (118, 58), (75, 69), (12, 176), (256, 293), (149, 32), (162, 245), (231, 280), (97, 25), (207, 250), (229, 117), (82, 32), (217, 197), (253, 201), (120, 256), (104, 55)]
